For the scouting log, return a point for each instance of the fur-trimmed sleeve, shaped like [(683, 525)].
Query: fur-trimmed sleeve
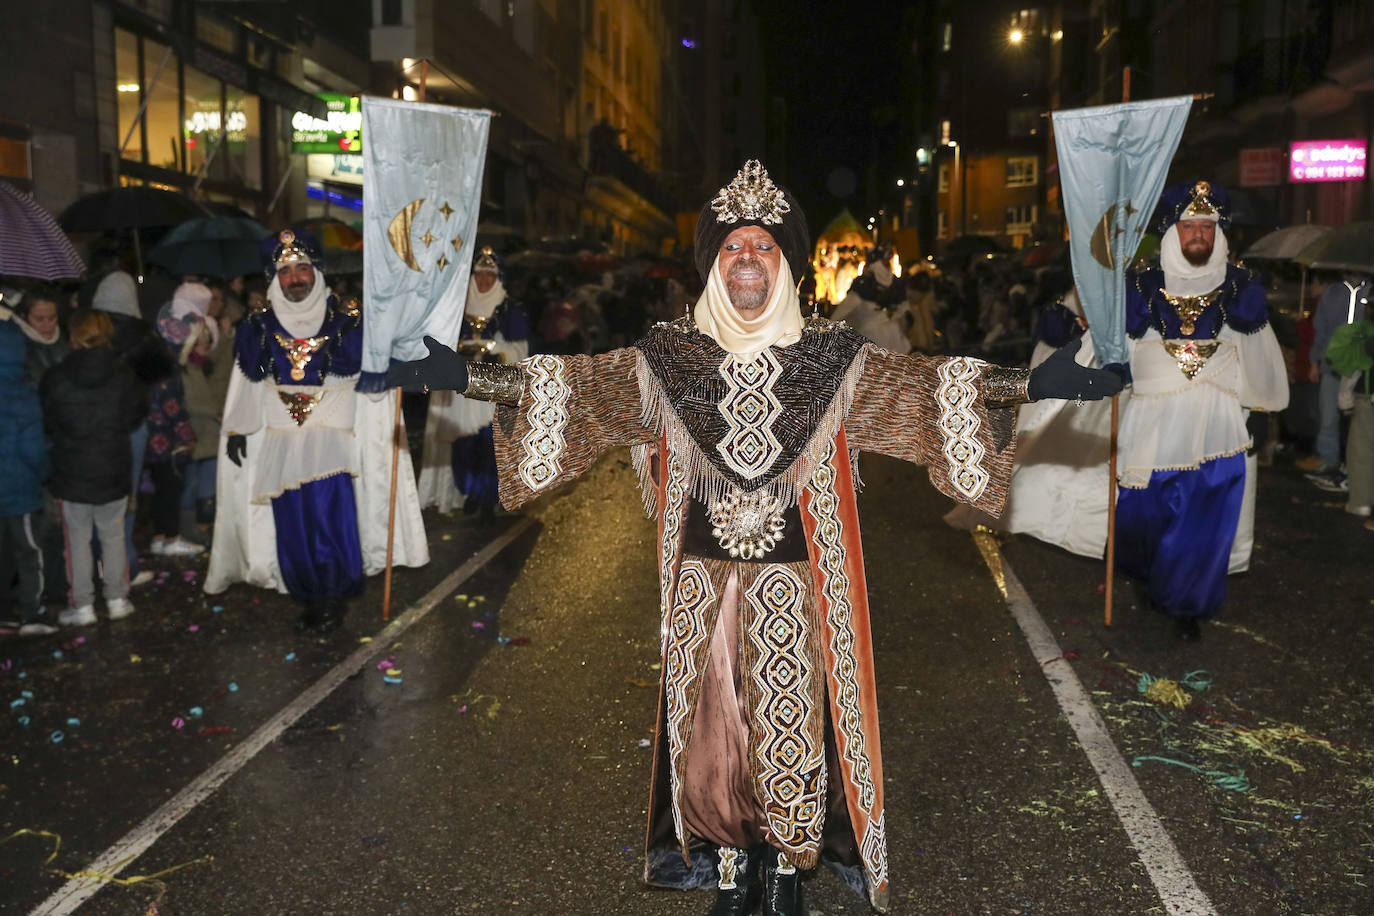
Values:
[(931, 411), (572, 410)]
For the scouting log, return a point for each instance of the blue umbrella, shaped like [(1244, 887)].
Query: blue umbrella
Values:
[(220, 246)]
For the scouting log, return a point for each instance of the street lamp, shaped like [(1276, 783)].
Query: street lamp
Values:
[(1015, 36), (901, 182)]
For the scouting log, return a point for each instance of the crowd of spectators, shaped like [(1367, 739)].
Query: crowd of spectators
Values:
[(110, 431)]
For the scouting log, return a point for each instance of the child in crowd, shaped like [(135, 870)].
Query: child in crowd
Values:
[(24, 458), (171, 436), (91, 403), (37, 316)]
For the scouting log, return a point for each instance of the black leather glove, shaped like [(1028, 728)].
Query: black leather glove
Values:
[(441, 369), (1061, 377), (236, 449)]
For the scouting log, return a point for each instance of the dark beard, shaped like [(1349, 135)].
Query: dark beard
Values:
[(741, 298), (1198, 256)]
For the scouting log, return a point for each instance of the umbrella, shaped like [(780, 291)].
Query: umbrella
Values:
[(220, 246), (31, 242), (1351, 247), (134, 207), (1040, 255), (330, 232), (1284, 244)]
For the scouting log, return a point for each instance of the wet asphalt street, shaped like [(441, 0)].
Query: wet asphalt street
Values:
[(494, 758)]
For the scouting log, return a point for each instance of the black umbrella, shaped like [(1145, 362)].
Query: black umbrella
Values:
[(212, 246), (135, 207)]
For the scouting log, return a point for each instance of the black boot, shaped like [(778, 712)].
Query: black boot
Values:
[(739, 890), (782, 888), (331, 615), (1189, 629), (310, 617)]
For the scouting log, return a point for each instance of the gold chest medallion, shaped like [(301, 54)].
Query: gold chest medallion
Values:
[(299, 352)]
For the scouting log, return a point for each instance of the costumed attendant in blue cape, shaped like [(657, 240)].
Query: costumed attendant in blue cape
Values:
[(302, 500), (458, 465), (1202, 356)]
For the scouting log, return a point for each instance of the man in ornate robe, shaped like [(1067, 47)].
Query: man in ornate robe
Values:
[(297, 432), (1202, 356), (744, 423), (458, 464)]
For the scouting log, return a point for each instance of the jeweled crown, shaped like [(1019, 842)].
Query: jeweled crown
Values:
[(486, 260), (1202, 205), (751, 195), (289, 250)]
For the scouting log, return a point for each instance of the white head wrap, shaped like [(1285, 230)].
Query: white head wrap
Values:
[(483, 304), (779, 324), (304, 318), (1181, 276)]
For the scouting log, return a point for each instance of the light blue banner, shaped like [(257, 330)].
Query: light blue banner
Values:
[(1113, 160), (422, 188)]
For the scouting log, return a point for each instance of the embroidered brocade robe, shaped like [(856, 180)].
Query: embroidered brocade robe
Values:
[(703, 425)]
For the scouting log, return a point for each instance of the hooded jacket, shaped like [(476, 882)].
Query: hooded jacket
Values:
[(23, 449), (91, 403)]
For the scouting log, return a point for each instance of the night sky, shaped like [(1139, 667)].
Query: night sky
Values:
[(833, 63)]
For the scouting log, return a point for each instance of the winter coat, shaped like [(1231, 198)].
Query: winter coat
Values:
[(42, 357), (23, 448), (91, 403), (170, 434), (207, 386)]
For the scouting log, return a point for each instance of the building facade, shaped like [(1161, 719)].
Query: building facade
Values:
[(255, 105)]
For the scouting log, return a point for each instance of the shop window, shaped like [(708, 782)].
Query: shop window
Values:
[(243, 144), (128, 89), (162, 120), (203, 111), (1023, 171)]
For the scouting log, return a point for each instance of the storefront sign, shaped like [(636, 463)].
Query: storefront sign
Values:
[(344, 168), (340, 133), (1327, 160), (1261, 167)]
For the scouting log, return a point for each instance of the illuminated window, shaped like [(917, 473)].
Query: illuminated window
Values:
[(1020, 220), (943, 172), (127, 90), (1023, 171), (162, 120), (942, 225), (203, 109), (947, 36), (243, 145)]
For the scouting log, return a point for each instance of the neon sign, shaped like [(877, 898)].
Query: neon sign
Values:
[(1326, 160)]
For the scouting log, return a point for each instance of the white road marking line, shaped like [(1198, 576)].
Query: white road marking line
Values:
[(75, 892), (1172, 880)]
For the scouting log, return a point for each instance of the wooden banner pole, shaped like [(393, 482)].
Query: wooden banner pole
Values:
[(397, 436)]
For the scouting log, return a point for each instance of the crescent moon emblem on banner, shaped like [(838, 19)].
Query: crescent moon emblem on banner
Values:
[(1101, 244), (398, 233)]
